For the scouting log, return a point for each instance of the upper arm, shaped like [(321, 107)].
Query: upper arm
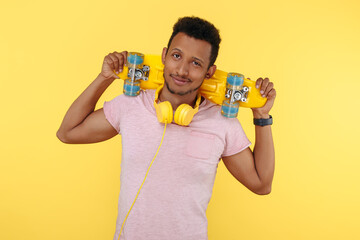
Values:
[(95, 128), (242, 167)]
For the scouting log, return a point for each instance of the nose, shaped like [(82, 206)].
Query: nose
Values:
[(183, 69)]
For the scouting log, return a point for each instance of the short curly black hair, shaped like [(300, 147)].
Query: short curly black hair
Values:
[(200, 29)]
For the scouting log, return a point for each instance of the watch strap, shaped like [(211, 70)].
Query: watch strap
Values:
[(263, 121)]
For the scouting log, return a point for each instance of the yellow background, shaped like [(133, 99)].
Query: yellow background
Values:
[(50, 51)]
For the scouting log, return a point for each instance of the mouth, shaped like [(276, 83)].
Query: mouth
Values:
[(179, 80)]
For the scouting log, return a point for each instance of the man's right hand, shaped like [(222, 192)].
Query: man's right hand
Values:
[(81, 123), (113, 62)]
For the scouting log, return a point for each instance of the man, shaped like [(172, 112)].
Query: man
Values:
[(173, 199)]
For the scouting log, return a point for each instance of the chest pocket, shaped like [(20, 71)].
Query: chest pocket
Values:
[(200, 145)]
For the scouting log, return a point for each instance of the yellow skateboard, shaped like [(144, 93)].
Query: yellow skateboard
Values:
[(230, 90)]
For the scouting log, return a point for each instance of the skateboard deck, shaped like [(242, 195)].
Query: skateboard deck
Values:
[(230, 90)]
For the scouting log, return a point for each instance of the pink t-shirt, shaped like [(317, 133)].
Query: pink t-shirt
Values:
[(173, 200)]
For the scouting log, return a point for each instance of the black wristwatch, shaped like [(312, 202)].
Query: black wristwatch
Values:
[(263, 121)]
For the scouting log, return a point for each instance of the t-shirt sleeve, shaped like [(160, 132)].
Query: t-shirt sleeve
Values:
[(235, 138), (112, 110)]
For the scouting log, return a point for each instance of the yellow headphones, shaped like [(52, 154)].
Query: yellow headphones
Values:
[(183, 114)]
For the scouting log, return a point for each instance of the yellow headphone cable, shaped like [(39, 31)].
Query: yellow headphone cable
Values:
[(143, 180)]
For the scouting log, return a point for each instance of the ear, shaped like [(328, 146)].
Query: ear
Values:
[(210, 72), (163, 55)]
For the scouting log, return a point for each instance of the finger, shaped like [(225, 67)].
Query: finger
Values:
[(258, 82), (121, 58), (264, 84), (125, 54), (268, 89), (272, 94), (109, 62), (115, 61)]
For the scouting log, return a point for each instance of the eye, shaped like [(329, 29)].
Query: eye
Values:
[(175, 55), (197, 63)]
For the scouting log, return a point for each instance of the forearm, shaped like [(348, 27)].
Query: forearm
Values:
[(84, 104), (264, 155)]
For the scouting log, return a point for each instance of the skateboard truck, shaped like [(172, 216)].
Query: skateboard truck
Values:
[(235, 92), (137, 72), (237, 95)]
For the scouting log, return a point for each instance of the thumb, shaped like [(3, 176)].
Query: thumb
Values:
[(114, 75), (271, 95)]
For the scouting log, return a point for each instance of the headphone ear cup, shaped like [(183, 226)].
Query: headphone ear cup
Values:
[(164, 112), (184, 114)]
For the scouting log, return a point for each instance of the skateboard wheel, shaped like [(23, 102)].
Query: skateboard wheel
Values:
[(235, 79), (135, 58), (131, 88), (245, 89), (229, 110)]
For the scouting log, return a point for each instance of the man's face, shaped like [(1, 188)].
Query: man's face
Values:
[(186, 64)]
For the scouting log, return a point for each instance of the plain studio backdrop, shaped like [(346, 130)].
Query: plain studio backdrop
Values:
[(50, 51)]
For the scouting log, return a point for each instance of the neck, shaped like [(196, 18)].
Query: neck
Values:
[(176, 100)]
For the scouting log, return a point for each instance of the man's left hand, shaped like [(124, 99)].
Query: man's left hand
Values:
[(266, 90)]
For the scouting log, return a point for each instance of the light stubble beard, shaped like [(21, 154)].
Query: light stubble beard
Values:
[(180, 93)]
